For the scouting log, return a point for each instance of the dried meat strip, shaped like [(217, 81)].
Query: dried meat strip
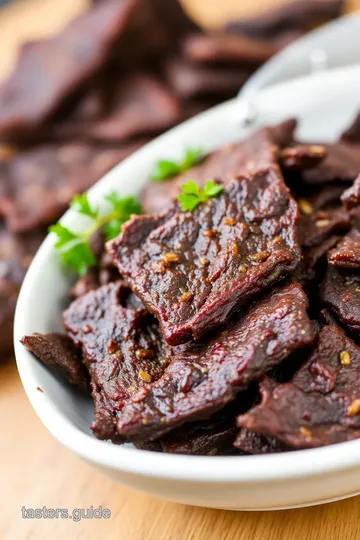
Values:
[(255, 443), (347, 252), (58, 353), (193, 270), (342, 164), (321, 404), (340, 291)]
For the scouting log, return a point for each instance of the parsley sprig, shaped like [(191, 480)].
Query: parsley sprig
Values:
[(191, 195), (165, 168), (74, 248)]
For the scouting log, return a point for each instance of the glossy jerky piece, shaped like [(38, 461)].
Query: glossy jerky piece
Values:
[(139, 104), (223, 253), (39, 183), (302, 156), (203, 378), (347, 252), (122, 347), (340, 292), (188, 81), (320, 405), (342, 164), (256, 152), (9, 291), (351, 196), (295, 15), (62, 63), (255, 443), (58, 353)]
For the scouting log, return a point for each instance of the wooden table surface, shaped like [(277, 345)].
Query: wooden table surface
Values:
[(36, 471)]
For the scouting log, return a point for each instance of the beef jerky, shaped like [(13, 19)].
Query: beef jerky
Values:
[(255, 443), (122, 347), (347, 252), (219, 48), (58, 353), (298, 14), (342, 164), (315, 227), (9, 291), (139, 104), (327, 318), (203, 378), (253, 153), (193, 270), (302, 156), (320, 406), (308, 270), (352, 133), (62, 64), (351, 196), (188, 81), (340, 291), (39, 183)]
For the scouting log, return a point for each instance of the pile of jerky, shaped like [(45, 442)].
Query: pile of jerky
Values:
[(80, 102), (234, 327)]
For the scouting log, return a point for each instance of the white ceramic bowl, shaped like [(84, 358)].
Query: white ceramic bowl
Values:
[(325, 104)]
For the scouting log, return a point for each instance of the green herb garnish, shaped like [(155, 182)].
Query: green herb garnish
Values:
[(192, 195), (165, 168), (74, 248)]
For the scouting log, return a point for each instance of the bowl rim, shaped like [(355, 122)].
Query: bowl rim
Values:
[(206, 469)]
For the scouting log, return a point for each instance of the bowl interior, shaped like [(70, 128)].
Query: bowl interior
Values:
[(324, 104)]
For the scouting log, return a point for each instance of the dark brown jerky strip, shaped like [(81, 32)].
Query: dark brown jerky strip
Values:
[(255, 443), (302, 156), (58, 353), (9, 291), (298, 14), (321, 405), (347, 252), (342, 164), (62, 64), (38, 184), (189, 81), (122, 347), (340, 291), (195, 269), (351, 196), (253, 153), (204, 378), (138, 104)]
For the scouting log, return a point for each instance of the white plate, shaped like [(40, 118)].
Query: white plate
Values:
[(325, 104)]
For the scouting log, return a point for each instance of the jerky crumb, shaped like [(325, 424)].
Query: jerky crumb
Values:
[(144, 376), (229, 221), (144, 353), (170, 258), (204, 262), (186, 296), (210, 233), (320, 223), (306, 433), (345, 358), (39, 389), (243, 268), (305, 207), (259, 257), (353, 408), (112, 346)]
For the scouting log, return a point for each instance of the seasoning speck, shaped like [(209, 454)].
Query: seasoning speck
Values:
[(145, 353), (345, 358), (306, 433), (305, 207), (243, 268), (144, 376), (259, 257), (186, 297), (210, 233), (320, 223), (170, 258), (353, 408), (230, 221), (112, 346), (204, 262)]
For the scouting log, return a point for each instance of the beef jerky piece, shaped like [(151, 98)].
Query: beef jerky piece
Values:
[(256, 152), (39, 183), (203, 378), (347, 252), (313, 228), (137, 105), (188, 81), (62, 63), (298, 14), (255, 443), (351, 196), (352, 134), (9, 291), (302, 156), (308, 270), (342, 164), (340, 291), (195, 269), (122, 347), (58, 353), (223, 48), (320, 406)]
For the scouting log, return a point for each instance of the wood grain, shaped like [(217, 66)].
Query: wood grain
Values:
[(35, 470)]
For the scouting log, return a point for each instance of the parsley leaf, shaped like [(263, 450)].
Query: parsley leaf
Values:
[(165, 168), (191, 195), (74, 248)]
